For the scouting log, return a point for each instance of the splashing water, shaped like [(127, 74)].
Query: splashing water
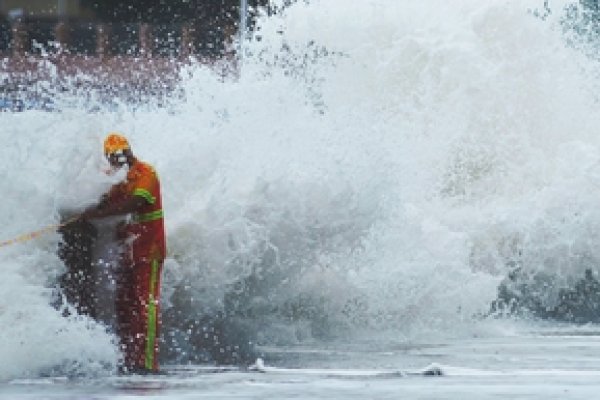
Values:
[(379, 166)]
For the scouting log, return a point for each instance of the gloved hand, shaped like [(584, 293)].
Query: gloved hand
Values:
[(68, 216)]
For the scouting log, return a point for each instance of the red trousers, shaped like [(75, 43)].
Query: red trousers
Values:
[(138, 312)]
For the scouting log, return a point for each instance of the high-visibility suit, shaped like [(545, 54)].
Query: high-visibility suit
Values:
[(139, 274)]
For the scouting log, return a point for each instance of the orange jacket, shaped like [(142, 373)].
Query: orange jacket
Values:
[(146, 227)]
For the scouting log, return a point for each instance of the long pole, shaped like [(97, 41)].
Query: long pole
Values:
[(34, 235)]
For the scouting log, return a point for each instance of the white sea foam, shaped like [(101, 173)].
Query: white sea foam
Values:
[(381, 164)]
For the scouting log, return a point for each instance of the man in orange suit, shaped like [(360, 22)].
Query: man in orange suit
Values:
[(143, 242)]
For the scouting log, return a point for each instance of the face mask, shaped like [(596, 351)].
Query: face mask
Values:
[(117, 161)]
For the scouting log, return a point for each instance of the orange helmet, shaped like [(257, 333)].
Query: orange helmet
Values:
[(115, 142)]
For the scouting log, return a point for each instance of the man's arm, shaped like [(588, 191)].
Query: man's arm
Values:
[(130, 205)]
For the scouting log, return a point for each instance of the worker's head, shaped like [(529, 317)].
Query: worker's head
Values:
[(117, 150)]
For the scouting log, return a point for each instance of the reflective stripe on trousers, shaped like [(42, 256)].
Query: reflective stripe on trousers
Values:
[(152, 316)]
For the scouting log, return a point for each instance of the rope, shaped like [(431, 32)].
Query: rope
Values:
[(34, 235)]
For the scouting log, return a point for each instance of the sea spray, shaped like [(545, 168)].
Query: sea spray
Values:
[(377, 167)]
